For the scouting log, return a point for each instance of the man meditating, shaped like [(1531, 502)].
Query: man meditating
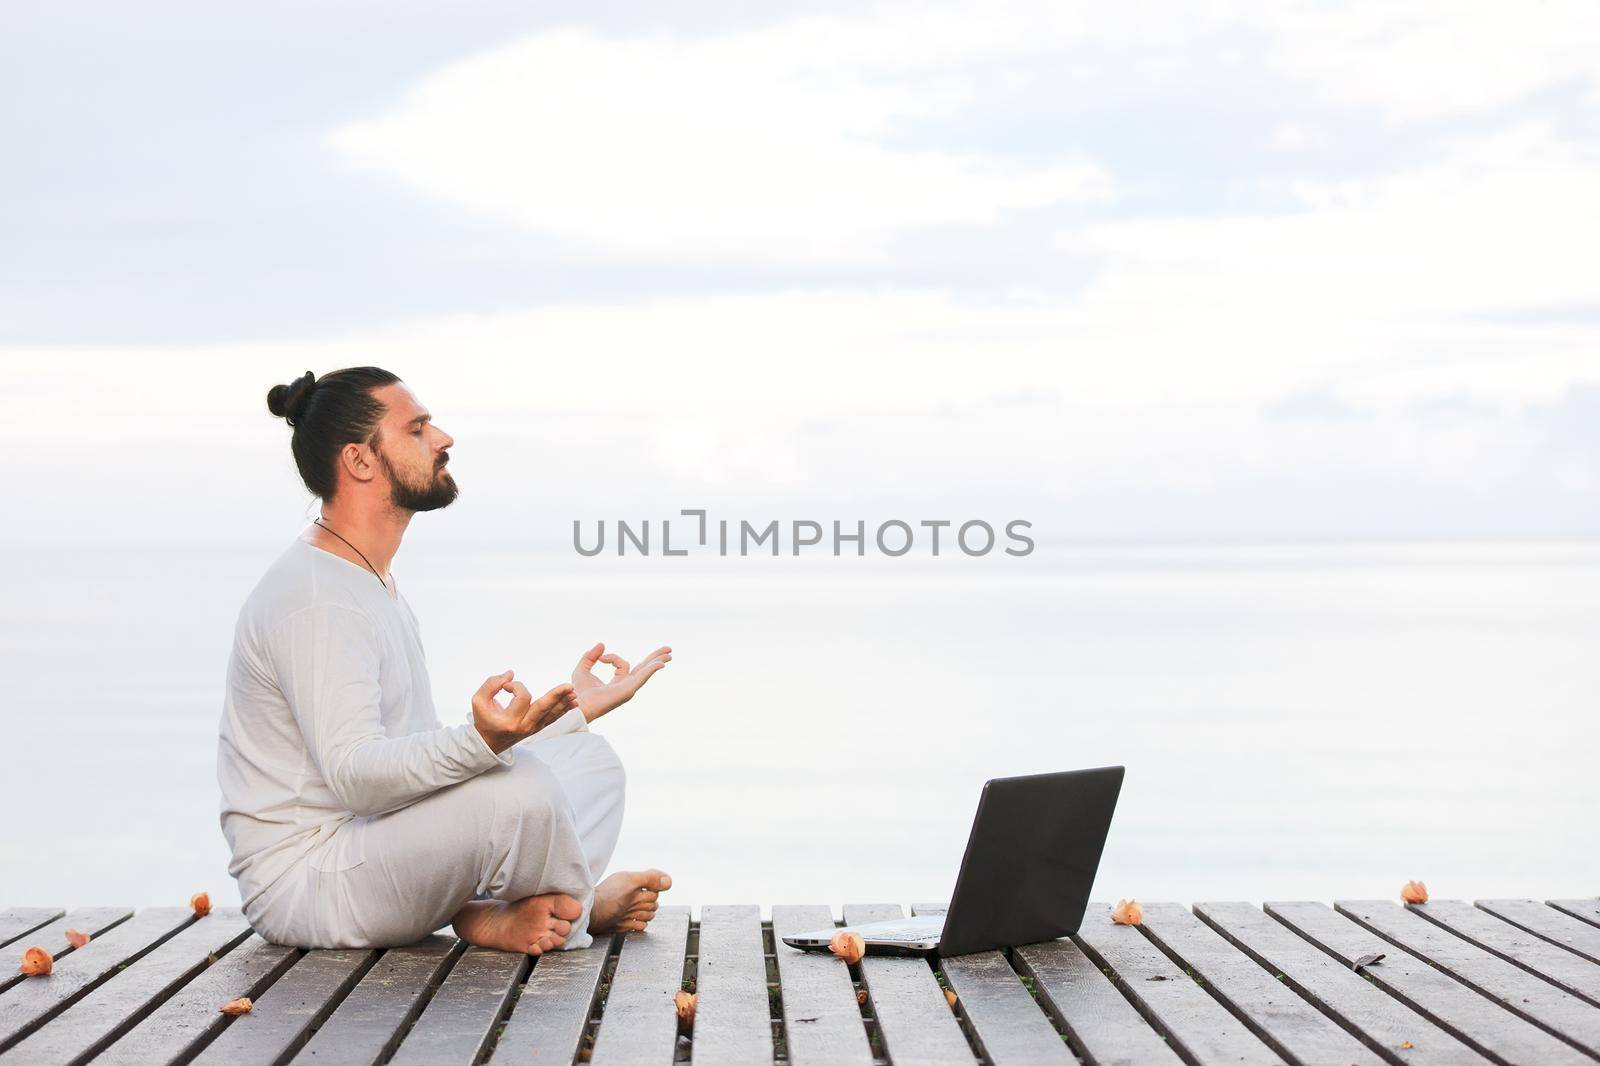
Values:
[(355, 818)]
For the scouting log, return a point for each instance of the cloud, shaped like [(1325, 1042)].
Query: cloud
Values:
[(773, 144), (816, 140), (1384, 283), (1571, 431), (1310, 407), (1420, 60), (1154, 272), (1297, 137)]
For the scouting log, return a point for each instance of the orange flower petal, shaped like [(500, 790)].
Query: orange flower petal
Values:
[(239, 1006), (1127, 912), (1407, 1045), (848, 946), (950, 997), (1414, 892), (201, 902), (861, 996), (77, 939), (35, 963), (685, 1002)]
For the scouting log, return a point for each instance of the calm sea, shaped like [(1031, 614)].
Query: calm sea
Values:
[(1297, 721)]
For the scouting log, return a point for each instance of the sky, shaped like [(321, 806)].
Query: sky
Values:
[(1223, 281), (1167, 272)]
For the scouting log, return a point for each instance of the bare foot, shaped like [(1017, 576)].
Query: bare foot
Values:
[(533, 925), (626, 901)]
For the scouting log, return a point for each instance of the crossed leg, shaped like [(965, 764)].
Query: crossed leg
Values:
[(591, 776), (532, 837)]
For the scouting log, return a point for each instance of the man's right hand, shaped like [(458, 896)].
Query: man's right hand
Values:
[(503, 725)]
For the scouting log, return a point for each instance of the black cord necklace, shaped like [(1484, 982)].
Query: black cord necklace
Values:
[(319, 522)]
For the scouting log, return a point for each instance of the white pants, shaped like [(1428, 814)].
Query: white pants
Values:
[(547, 823)]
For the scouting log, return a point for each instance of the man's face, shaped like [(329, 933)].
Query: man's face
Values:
[(411, 451)]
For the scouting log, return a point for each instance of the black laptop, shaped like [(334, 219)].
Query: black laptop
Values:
[(1030, 864)]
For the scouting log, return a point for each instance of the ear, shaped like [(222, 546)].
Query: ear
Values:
[(358, 462)]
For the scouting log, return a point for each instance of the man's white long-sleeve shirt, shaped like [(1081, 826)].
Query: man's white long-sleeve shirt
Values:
[(328, 715)]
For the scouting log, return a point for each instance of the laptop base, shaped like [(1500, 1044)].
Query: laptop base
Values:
[(893, 936)]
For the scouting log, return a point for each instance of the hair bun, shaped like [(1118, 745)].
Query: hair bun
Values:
[(288, 401)]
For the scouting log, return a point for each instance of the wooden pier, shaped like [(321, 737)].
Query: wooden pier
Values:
[(1505, 981)]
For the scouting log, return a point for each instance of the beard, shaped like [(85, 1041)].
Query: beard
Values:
[(439, 491)]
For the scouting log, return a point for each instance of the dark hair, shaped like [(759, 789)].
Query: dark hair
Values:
[(327, 413)]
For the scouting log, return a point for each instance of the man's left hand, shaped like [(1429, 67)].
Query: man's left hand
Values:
[(596, 697)]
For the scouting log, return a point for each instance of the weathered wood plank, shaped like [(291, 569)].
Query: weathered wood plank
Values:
[(1587, 910), (285, 1013), (460, 1020), (1545, 921), (1468, 1015), (1102, 1026), (733, 1019), (123, 999), (183, 1024), (1180, 1009), (1540, 1002), (640, 1023), (367, 1025), (1359, 1004), (52, 936), (17, 922), (1515, 980), (35, 1000), (914, 1020), (1555, 964), (1270, 1008), (548, 1018), (1007, 1021), (820, 1014)]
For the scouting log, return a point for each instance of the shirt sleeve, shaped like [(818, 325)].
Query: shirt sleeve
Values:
[(325, 660)]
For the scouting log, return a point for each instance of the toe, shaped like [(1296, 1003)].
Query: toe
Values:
[(658, 880), (566, 907), (561, 927)]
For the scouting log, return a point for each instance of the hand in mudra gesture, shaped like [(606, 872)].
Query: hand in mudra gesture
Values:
[(596, 697), (503, 724)]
